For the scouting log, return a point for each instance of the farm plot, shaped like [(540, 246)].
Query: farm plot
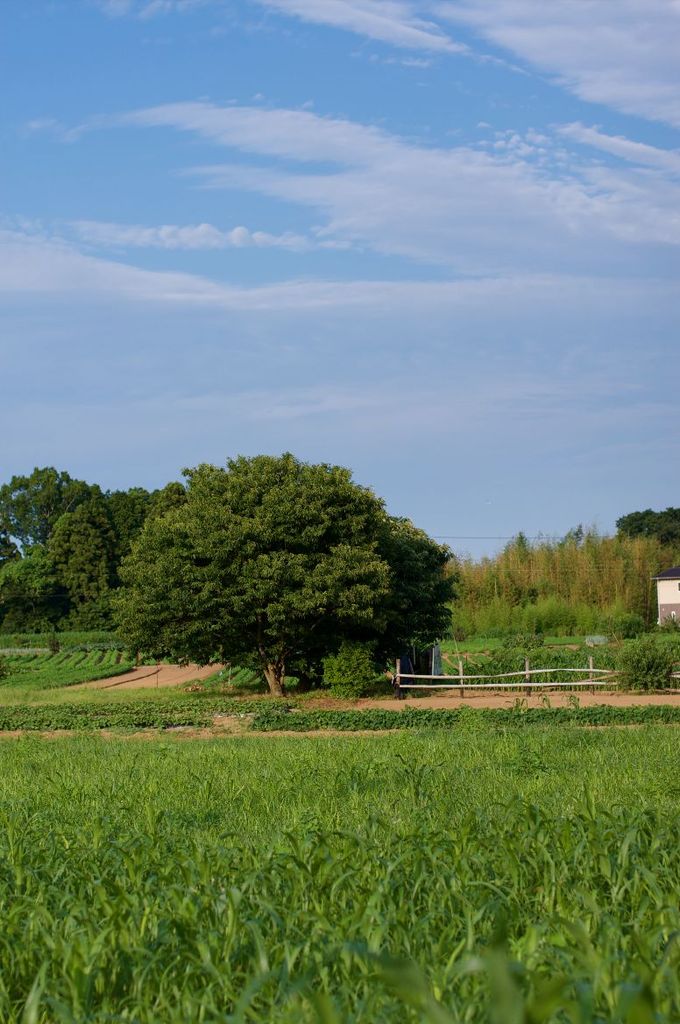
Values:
[(65, 668), (462, 879)]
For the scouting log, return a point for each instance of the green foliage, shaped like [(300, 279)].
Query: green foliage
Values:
[(30, 597), (68, 639), (577, 585), (126, 513), (160, 710), (167, 498), (500, 879), (528, 642), (352, 670), (664, 526), (75, 536), (280, 718), (417, 609), (63, 668), (626, 626), (507, 658), (4, 668), (646, 664), (279, 560), (82, 547), (31, 505), (8, 549)]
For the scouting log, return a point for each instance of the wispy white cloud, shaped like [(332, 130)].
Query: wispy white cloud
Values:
[(401, 23), (620, 146), (621, 53), (398, 22), (174, 236), (35, 263), (148, 8), (524, 203)]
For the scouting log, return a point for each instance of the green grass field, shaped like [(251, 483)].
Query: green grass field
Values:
[(476, 875)]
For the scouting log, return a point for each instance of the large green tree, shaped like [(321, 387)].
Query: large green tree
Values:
[(31, 505), (423, 583), (271, 559), (82, 548)]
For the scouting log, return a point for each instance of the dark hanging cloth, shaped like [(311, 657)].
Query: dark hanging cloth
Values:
[(405, 665)]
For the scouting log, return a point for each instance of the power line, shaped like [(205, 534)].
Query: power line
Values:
[(514, 536)]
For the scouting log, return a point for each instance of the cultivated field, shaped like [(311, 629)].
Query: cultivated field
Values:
[(46, 671), (479, 875), (206, 853)]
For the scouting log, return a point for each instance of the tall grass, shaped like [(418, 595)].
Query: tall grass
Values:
[(475, 877)]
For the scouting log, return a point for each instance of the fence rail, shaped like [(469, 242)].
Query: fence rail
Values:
[(506, 675), (405, 680), (503, 686)]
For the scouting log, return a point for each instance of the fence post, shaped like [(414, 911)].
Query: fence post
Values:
[(527, 676), (397, 687), (460, 675), (590, 673)]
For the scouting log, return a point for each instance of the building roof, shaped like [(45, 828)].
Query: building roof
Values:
[(669, 574)]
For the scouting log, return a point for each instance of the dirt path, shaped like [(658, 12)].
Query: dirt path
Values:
[(557, 698), (146, 677)]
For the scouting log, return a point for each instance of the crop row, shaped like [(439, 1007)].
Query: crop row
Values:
[(275, 719), (163, 713), (49, 671)]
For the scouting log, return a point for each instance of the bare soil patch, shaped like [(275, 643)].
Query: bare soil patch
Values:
[(147, 677), (557, 698)]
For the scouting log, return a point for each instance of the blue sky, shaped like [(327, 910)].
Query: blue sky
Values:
[(437, 242)]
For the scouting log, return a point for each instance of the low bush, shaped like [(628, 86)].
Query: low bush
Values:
[(352, 670), (523, 642), (627, 626), (645, 664)]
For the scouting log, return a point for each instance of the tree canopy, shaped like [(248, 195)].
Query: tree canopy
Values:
[(61, 542), (664, 526), (278, 560), (31, 505)]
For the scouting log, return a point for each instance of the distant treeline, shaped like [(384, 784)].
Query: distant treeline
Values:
[(62, 541), (583, 583), (61, 545)]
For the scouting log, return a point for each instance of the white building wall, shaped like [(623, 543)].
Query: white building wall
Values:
[(668, 596)]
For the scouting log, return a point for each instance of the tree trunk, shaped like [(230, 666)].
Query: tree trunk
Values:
[(274, 673)]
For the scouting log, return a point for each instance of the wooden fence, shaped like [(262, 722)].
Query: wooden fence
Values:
[(461, 682)]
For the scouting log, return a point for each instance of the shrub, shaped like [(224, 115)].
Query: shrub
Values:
[(523, 642), (627, 626), (645, 664), (351, 670), (4, 669)]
